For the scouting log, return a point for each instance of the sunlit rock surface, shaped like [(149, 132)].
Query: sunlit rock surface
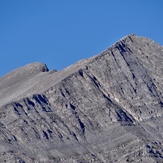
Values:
[(105, 109)]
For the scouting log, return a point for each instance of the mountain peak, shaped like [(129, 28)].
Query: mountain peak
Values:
[(107, 108), (37, 66)]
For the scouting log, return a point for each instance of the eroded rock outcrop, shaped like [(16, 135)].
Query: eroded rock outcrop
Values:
[(104, 109)]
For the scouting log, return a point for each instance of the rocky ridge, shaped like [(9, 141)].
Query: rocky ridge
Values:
[(107, 108)]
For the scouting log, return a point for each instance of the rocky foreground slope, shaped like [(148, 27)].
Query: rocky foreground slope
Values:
[(105, 109)]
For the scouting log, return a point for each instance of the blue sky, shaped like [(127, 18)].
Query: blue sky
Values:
[(61, 32)]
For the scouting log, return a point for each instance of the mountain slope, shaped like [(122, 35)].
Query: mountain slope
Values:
[(104, 109)]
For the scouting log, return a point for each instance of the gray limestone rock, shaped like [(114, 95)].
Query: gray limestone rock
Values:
[(108, 108)]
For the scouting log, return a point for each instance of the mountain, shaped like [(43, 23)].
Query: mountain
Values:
[(105, 109)]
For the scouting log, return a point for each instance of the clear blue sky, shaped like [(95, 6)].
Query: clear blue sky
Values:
[(61, 32)]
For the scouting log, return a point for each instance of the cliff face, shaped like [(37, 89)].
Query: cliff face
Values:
[(108, 108)]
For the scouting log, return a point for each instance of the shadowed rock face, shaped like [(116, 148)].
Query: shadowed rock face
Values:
[(105, 109)]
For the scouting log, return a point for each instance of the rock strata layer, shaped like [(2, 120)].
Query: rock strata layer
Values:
[(105, 109)]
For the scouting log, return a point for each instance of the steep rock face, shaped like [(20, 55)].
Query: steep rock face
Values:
[(104, 109)]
